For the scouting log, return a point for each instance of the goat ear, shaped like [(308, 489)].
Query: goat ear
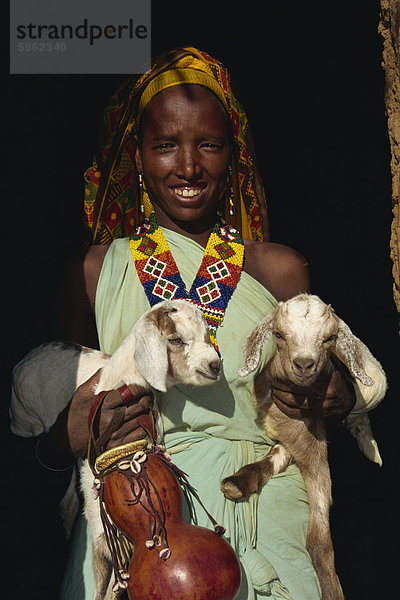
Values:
[(349, 352), (253, 345), (151, 354)]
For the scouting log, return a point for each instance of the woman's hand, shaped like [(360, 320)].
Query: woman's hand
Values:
[(71, 432), (79, 409), (332, 398)]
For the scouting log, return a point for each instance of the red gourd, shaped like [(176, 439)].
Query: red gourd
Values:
[(171, 558)]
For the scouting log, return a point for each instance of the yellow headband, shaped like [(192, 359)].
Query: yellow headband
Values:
[(178, 77)]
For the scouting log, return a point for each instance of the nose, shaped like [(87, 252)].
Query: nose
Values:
[(304, 364), (215, 367), (188, 166)]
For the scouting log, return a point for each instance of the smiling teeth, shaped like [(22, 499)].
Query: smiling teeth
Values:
[(187, 192)]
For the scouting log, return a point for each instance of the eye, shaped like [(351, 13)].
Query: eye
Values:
[(211, 146), (278, 335), (165, 146), (176, 342), (330, 338)]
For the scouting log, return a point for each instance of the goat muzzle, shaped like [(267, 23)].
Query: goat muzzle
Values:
[(211, 370), (304, 369)]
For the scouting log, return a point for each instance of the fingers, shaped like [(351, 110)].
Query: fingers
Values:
[(130, 420), (340, 396), (330, 396), (80, 406), (114, 398), (134, 411), (290, 398), (130, 431), (290, 405)]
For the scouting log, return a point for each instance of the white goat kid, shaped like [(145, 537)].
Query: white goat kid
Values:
[(308, 337), (169, 344)]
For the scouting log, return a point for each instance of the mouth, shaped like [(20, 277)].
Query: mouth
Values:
[(207, 375), (303, 378), (189, 195)]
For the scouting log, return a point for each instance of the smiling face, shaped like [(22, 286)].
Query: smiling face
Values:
[(184, 153)]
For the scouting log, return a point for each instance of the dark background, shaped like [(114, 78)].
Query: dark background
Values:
[(309, 76)]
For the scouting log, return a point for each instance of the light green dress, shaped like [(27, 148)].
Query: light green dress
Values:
[(211, 432)]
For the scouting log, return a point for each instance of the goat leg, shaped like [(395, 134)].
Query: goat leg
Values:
[(319, 541), (102, 568), (306, 443), (251, 478)]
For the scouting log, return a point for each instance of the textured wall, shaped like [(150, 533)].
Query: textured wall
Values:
[(389, 28)]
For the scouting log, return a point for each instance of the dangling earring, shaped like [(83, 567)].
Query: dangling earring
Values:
[(140, 178), (230, 191)]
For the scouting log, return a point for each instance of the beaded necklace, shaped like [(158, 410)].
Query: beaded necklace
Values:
[(216, 278)]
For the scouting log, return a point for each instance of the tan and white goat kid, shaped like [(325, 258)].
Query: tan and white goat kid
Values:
[(169, 344), (309, 337)]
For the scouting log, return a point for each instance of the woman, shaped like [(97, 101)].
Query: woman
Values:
[(180, 146)]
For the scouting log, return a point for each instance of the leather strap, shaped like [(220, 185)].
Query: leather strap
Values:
[(147, 422), (97, 443), (115, 423), (98, 398), (126, 394)]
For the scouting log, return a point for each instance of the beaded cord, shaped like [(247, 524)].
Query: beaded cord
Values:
[(215, 280)]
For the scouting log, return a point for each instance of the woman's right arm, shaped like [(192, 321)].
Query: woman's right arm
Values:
[(76, 322)]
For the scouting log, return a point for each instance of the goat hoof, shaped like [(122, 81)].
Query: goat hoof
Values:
[(230, 489)]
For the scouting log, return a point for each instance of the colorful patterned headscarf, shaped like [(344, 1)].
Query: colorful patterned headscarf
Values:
[(111, 184)]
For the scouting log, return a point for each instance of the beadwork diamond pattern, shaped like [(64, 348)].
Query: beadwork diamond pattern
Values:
[(218, 270), (154, 267), (147, 246), (208, 292), (164, 289)]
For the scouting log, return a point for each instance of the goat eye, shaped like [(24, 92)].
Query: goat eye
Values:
[(330, 338), (278, 335), (176, 341)]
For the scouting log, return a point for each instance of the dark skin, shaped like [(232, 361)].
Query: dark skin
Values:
[(184, 153)]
